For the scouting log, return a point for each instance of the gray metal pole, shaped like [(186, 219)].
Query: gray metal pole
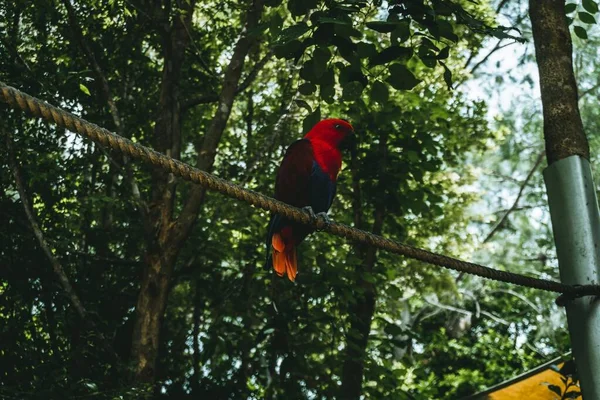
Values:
[(576, 225)]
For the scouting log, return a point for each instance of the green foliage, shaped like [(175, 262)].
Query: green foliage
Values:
[(586, 15), (231, 328)]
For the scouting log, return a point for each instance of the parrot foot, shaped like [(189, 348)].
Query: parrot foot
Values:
[(310, 211), (326, 220), (315, 217)]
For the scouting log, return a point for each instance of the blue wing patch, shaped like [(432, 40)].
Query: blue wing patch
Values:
[(322, 189)]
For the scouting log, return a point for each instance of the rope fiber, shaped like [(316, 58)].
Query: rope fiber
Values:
[(64, 119)]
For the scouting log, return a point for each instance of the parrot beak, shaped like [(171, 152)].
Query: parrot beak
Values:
[(348, 142)]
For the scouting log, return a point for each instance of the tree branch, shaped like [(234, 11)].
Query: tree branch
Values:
[(107, 93), (56, 266), (59, 271), (500, 223), (501, 6), (518, 296), (497, 47), (488, 55), (208, 150), (590, 90), (211, 98)]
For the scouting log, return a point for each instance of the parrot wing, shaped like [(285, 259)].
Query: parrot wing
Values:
[(293, 179)]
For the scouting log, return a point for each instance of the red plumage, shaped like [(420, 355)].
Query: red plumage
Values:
[(306, 177)]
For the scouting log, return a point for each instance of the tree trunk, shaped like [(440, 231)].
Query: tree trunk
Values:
[(361, 313), (563, 129), (160, 257), (150, 310), (167, 234)]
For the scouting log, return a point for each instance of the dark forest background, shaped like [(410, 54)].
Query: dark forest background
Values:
[(173, 297)]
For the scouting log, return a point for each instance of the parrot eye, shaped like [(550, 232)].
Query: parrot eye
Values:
[(338, 126)]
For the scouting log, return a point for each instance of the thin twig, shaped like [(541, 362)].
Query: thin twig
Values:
[(590, 90), (500, 223), (487, 56), (211, 98), (56, 266)]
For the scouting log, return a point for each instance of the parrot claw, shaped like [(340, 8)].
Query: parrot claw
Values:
[(310, 211), (315, 217), (326, 220)]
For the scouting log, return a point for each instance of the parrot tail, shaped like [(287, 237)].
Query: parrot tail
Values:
[(285, 260)]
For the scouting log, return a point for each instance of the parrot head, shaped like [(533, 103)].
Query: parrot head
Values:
[(335, 132)]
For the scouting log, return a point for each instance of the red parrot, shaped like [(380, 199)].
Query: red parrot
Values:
[(306, 179)]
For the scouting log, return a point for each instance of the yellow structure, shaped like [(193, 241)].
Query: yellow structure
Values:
[(532, 385)]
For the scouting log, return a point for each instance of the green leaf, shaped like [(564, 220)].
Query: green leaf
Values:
[(328, 78), (446, 30), (368, 277), (84, 89), (412, 156), (323, 35), (293, 32), (586, 18), (580, 32), (292, 49), (391, 54), (311, 120), (348, 9), (275, 24), (401, 33), (447, 75), (327, 93), (427, 53), (365, 50), (329, 20), (257, 30), (382, 26), (303, 104), (307, 72), (444, 53), (379, 92), (569, 8), (393, 330), (307, 88), (347, 31), (301, 7), (352, 90), (350, 74), (429, 44), (401, 78), (321, 56), (589, 5), (347, 49)]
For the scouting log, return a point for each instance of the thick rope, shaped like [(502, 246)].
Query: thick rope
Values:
[(48, 112)]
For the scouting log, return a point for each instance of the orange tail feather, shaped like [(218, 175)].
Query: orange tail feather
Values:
[(285, 260), (291, 264)]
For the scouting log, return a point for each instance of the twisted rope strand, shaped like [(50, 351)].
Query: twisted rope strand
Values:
[(50, 113)]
